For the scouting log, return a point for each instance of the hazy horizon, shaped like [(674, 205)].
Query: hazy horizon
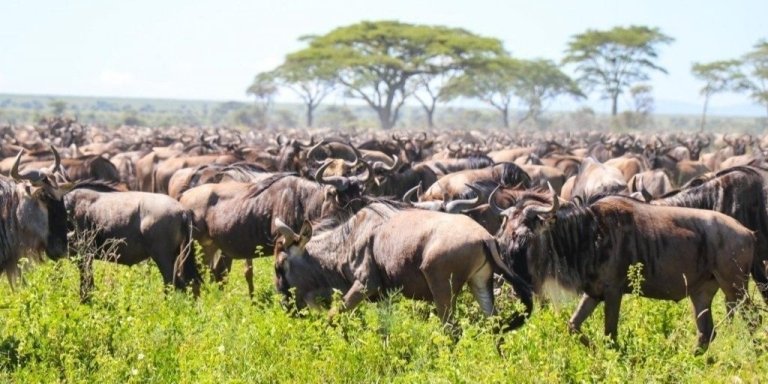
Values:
[(206, 50)]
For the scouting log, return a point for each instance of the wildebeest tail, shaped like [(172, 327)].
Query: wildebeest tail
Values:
[(522, 289), (185, 268)]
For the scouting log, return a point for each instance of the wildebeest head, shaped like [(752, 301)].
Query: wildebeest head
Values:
[(519, 226), (290, 264), (43, 218)]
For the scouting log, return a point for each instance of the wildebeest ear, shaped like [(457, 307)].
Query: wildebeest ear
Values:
[(305, 234)]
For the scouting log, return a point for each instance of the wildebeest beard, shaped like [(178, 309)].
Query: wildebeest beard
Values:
[(566, 247)]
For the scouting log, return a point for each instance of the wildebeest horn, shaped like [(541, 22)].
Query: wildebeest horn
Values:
[(34, 176), (452, 148), (314, 148), (356, 153), (281, 139), (369, 172), (492, 202), (537, 210), (56, 161), (408, 197), (422, 136), (285, 230), (457, 206), (382, 166), (339, 182)]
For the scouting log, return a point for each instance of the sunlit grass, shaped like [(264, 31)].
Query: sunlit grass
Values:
[(133, 332)]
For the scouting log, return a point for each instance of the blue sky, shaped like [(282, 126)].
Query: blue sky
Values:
[(200, 49)]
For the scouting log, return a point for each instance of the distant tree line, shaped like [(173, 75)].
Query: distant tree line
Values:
[(385, 63)]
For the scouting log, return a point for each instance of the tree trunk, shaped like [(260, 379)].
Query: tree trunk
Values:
[(704, 113), (505, 117), (430, 112), (615, 104), (385, 119), (310, 113)]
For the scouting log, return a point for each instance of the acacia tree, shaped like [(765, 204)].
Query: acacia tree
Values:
[(375, 61), (264, 88), (756, 74), (539, 81), (503, 80), (311, 80), (615, 59), (718, 76)]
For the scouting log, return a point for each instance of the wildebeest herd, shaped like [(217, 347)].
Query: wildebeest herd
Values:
[(421, 213)]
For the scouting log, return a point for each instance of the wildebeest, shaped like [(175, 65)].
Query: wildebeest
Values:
[(682, 252), (236, 218), (32, 219), (147, 225), (737, 192), (380, 248)]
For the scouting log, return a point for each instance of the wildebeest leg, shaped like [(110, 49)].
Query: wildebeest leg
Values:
[(612, 308), (249, 276), (352, 298), (85, 265), (442, 288), (481, 285), (585, 308), (702, 312), (736, 298), (221, 267)]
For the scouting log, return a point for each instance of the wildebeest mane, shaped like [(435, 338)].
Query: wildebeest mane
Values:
[(379, 206), (98, 185), (257, 188)]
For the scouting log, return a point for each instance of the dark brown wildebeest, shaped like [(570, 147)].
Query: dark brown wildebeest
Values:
[(379, 249), (737, 192), (146, 225), (33, 219), (683, 252), (236, 218)]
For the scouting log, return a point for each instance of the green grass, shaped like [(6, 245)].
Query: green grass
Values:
[(133, 332)]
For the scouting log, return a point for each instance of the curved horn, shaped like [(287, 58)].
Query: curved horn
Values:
[(457, 206), (408, 197), (56, 161), (314, 148), (454, 149), (382, 166), (421, 136), (340, 183), (285, 230), (492, 202), (15, 168), (369, 173), (538, 210), (34, 176), (356, 153)]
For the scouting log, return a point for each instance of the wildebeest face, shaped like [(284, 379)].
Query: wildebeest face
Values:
[(41, 212), (517, 229), (290, 264)]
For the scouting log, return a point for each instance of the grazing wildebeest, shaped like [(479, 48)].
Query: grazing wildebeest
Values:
[(236, 218), (33, 218), (380, 248), (146, 225), (589, 249)]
